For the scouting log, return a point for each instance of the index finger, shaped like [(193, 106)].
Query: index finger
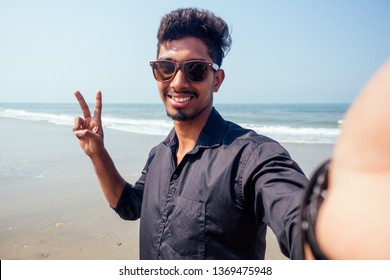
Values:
[(83, 105), (98, 105)]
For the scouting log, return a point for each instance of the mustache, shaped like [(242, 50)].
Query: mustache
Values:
[(171, 91)]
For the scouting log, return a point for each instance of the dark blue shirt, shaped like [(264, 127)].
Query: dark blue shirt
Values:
[(217, 203)]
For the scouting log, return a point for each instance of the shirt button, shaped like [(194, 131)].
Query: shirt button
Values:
[(174, 176)]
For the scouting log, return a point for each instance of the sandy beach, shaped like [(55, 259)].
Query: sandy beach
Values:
[(51, 206)]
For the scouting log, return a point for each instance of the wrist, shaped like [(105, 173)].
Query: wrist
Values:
[(314, 196)]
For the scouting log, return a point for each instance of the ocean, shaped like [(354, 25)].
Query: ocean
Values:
[(286, 123)]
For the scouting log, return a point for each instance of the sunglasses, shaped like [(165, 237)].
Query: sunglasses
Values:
[(193, 70)]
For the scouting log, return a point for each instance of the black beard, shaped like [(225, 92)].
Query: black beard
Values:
[(180, 116)]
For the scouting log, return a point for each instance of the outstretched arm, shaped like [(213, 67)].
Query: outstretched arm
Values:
[(353, 222), (89, 131)]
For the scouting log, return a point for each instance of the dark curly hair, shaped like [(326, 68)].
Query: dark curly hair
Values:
[(202, 24)]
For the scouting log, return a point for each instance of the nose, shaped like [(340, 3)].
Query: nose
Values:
[(179, 80)]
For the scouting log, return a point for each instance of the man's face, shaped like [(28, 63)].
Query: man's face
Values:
[(185, 100)]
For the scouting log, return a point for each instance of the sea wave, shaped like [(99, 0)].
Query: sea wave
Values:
[(59, 119), (162, 127), (298, 134), (142, 126)]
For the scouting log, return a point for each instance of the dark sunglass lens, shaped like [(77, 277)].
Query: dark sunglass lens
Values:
[(196, 71), (163, 70)]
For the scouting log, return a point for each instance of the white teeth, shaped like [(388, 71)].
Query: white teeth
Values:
[(181, 99)]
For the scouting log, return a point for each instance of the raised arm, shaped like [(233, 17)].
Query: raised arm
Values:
[(89, 131), (353, 222)]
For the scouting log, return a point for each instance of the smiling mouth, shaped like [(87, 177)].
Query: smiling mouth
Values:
[(180, 99)]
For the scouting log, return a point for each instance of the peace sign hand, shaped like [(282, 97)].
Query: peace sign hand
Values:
[(89, 129)]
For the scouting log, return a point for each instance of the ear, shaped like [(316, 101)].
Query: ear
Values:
[(218, 79)]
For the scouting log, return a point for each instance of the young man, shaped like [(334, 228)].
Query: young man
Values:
[(210, 189)]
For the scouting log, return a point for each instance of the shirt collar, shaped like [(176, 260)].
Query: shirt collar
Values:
[(210, 136)]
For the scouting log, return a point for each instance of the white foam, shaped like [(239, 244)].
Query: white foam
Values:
[(59, 119), (297, 134), (163, 126), (142, 126)]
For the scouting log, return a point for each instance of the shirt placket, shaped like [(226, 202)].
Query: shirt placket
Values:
[(170, 198)]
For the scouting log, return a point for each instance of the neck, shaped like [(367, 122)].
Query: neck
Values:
[(187, 133)]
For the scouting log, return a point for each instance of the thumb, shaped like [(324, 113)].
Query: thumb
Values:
[(84, 134)]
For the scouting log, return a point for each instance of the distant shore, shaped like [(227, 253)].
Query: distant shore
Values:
[(51, 206)]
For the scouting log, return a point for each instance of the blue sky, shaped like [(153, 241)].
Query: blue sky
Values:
[(282, 52)]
